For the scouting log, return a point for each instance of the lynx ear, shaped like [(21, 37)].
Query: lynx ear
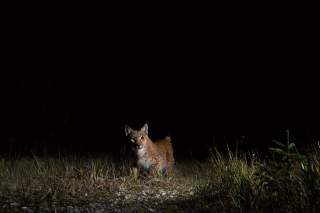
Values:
[(145, 128), (127, 130)]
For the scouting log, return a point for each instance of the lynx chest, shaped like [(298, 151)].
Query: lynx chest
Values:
[(144, 160)]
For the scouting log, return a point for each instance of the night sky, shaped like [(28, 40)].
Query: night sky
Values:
[(81, 106), (202, 84)]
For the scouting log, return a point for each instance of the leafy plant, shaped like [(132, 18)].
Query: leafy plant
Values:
[(287, 152)]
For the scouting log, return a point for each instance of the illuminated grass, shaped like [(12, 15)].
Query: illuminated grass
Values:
[(231, 183)]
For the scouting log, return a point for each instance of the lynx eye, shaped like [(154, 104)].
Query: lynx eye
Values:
[(142, 138), (132, 140)]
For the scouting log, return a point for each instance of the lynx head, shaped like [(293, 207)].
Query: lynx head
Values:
[(137, 137)]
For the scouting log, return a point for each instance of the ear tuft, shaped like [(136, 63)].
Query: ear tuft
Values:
[(145, 128), (127, 130)]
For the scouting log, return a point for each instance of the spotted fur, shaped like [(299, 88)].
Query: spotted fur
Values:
[(152, 157)]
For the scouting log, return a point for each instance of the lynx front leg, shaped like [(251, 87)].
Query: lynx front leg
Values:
[(153, 170), (142, 172)]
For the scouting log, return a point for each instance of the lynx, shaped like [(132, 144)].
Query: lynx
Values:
[(152, 157)]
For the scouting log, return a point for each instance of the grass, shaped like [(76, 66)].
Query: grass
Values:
[(223, 183)]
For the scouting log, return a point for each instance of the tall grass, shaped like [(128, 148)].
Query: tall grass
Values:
[(287, 181), (47, 180)]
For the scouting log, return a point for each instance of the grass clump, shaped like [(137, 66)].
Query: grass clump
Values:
[(286, 181)]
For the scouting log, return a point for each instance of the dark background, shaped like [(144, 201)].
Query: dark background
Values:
[(205, 86), (81, 107)]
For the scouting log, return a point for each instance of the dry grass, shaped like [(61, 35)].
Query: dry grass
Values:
[(232, 183)]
